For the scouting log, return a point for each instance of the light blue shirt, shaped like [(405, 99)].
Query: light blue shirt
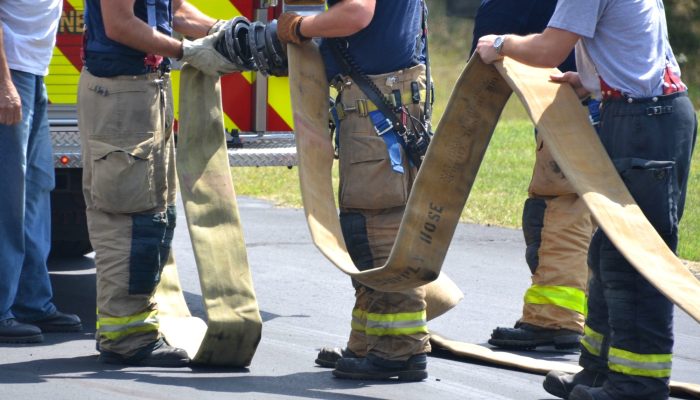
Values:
[(623, 41)]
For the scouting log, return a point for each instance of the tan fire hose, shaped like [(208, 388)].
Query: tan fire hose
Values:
[(449, 170), (233, 329)]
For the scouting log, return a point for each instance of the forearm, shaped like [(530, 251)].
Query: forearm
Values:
[(547, 49), (121, 25), (5, 76), (191, 22), (343, 19)]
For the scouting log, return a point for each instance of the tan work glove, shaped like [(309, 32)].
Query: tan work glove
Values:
[(218, 25), (289, 28), (202, 55)]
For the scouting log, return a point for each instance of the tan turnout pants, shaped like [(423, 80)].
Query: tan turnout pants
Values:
[(372, 198), (129, 187), (558, 229)]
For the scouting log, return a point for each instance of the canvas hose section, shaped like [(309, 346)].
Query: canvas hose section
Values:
[(448, 173)]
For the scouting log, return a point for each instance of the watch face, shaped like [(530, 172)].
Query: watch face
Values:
[(498, 43)]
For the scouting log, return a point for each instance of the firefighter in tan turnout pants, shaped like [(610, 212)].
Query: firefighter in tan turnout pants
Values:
[(556, 223), (383, 39), (126, 121)]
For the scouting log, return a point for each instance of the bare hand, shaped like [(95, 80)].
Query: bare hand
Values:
[(10, 104), (487, 51), (573, 79)]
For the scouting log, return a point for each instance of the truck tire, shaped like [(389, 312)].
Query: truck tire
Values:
[(69, 233)]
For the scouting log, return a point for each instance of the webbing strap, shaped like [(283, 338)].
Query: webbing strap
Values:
[(234, 324)]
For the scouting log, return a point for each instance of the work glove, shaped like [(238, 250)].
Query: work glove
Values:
[(288, 29), (202, 55), (220, 24)]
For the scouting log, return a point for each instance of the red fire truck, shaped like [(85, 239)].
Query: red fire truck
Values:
[(260, 125)]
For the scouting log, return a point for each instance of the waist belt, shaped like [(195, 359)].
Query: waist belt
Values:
[(364, 106), (672, 84)]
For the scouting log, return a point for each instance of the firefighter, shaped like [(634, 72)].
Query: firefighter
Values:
[(126, 124), (556, 223), (648, 127), (384, 41), (27, 35)]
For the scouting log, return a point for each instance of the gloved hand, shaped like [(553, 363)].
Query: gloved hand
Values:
[(202, 55), (288, 28), (218, 25)]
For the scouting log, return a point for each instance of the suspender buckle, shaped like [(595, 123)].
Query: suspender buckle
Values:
[(383, 127)]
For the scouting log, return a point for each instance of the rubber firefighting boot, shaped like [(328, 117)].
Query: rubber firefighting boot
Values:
[(328, 356), (526, 337), (582, 392), (376, 368), (157, 354), (561, 384)]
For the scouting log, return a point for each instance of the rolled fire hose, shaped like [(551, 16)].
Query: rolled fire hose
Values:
[(448, 173)]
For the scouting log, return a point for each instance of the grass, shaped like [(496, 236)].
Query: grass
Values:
[(501, 186)]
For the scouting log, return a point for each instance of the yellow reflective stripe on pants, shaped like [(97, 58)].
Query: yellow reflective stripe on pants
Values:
[(592, 341), (562, 296), (396, 324), (117, 327), (359, 320), (648, 365)]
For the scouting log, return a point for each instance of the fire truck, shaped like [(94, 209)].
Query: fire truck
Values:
[(257, 112)]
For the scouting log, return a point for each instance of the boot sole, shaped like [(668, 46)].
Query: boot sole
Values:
[(564, 342), (61, 328), (178, 363), (22, 339), (404, 376)]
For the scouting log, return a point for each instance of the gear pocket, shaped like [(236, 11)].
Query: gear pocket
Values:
[(367, 180), (654, 188), (122, 174)]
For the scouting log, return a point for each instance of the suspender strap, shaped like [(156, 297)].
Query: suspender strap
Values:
[(151, 13)]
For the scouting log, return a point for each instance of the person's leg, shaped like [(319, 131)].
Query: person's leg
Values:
[(130, 220), (33, 301), (14, 140), (652, 154)]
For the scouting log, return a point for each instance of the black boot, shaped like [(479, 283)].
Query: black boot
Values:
[(328, 356), (526, 337), (58, 322), (376, 368), (157, 354), (12, 331), (581, 392), (561, 384)]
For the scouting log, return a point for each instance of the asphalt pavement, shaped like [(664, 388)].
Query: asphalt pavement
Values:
[(305, 304)]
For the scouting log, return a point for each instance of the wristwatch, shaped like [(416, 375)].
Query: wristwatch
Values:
[(498, 44)]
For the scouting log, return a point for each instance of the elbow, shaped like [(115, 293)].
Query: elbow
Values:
[(113, 31)]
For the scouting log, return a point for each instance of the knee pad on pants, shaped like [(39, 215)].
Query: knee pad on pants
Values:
[(147, 250), (533, 222)]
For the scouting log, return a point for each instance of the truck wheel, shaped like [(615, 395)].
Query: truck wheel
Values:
[(68, 222)]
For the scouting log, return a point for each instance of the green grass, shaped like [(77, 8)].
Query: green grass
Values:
[(501, 186)]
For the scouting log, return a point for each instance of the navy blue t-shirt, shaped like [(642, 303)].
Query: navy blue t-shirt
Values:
[(392, 41), (103, 56)]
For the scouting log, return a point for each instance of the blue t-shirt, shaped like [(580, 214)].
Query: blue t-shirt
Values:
[(392, 41), (103, 56)]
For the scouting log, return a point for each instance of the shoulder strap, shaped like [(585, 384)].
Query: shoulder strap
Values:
[(352, 69)]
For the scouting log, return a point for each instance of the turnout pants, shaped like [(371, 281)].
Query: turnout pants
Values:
[(556, 224), (372, 199), (557, 227), (629, 328), (129, 187)]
